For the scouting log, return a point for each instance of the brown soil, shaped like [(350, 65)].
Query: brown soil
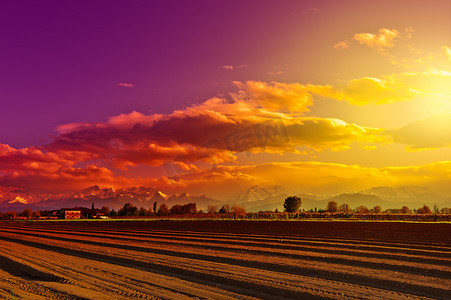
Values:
[(224, 260)]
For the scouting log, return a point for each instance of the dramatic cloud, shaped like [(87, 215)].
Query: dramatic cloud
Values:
[(32, 168), (29, 159), (390, 88), (212, 137), (260, 117), (64, 179), (297, 98), (275, 96)]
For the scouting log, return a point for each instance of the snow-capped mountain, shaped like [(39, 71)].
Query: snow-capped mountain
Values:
[(258, 198), (405, 193), (254, 199), (138, 196), (257, 193)]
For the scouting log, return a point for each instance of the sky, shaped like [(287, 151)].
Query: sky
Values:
[(212, 97)]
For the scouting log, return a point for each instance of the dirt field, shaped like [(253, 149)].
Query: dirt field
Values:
[(224, 260)]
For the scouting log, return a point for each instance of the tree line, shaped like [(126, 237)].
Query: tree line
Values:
[(293, 204)]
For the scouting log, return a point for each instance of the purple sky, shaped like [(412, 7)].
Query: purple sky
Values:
[(135, 86), (61, 61)]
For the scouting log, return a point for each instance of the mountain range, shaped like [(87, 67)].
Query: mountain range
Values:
[(268, 199), (254, 199), (115, 199)]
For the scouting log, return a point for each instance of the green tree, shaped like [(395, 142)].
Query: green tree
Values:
[(155, 207), (292, 204)]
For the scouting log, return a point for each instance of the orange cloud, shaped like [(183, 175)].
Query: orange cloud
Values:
[(385, 38), (389, 88), (29, 159), (341, 45), (275, 96), (64, 179)]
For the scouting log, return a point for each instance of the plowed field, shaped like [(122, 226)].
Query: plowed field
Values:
[(224, 260)]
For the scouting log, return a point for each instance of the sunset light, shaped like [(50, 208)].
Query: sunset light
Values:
[(314, 111)]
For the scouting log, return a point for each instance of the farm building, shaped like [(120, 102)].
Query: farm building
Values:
[(80, 213), (70, 213)]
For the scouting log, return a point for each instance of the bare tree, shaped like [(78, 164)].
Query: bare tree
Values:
[(37, 214), (27, 213), (424, 210), (436, 209), (344, 208), (405, 210), (224, 209), (189, 208), (163, 209), (376, 210), (332, 206), (238, 209), (362, 209), (212, 209), (105, 210), (176, 209)]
